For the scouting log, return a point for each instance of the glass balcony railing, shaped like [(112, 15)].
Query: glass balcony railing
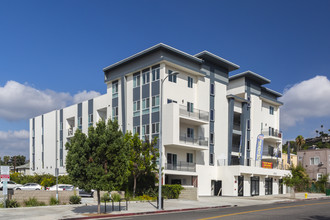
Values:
[(272, 133), (181, 166), (196, 113), (201, 141)]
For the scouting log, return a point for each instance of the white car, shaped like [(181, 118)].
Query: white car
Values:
[(10, 185), (29, 186), (61, 187)]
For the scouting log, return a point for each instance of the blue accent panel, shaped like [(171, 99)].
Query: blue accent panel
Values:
[(90, 106), (145, 119), (155, 117), (155, 88), (123, 103), (248, 116), (136, 121), (136, 94), (115, 102), (230, 127), (211, 75), (61, 121), (243, 129), (145, 91)]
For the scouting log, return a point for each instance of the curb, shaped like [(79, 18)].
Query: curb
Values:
[(150, 212)]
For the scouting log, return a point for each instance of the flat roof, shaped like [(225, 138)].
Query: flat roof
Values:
[(251, 75), (218, 60), (277, 94), (151, 49)]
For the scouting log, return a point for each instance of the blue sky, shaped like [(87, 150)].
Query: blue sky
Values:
[(52, 52)]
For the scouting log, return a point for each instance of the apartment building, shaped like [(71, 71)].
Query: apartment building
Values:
[(315, 161), (210, 121)]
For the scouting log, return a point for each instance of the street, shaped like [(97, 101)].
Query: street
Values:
[(307, 210)]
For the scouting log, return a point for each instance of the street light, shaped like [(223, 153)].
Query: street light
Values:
[(175, 73)]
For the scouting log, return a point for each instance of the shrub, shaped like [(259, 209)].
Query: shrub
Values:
[(75, 199), (116, 197), (146, 197), (105, 197), (33, 202), (171, 191), (10, 203), (53, 201)]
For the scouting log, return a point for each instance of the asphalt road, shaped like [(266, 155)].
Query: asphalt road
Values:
[(306, 210)]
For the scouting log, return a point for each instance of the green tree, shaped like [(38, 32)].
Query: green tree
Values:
[(99, 161), (300, 141), (6, 160), (298, 179), (18, 160), (143, 157)]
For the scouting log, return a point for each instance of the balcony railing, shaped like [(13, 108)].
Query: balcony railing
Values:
[(272, 133), (181, 166), (196, 113), (251, 163), (201, 141)]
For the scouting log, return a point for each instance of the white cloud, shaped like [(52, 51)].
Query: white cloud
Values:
[(14, 143), (18, 101), (307, 99)]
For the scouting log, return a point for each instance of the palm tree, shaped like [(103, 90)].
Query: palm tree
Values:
[(300, 141)]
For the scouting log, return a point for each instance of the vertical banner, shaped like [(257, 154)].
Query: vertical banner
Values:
[(260, 146), (289, 149)]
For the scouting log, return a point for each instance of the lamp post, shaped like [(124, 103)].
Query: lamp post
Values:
[(175, 73)]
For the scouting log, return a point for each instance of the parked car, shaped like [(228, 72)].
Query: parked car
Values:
[(61, 187), (10, 185), (85, 193), (29, 186)]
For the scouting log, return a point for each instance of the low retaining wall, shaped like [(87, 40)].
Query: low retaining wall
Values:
[(42, 196), (121, 193)]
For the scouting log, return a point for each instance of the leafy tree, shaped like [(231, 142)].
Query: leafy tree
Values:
[(300, 141), (6, 160), (18, 160), (143, 158), (99, 161), (298, 179)]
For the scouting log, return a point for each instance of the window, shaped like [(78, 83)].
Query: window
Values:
[(248, 124), (136, 129), (115, 113), (155, 103), (136, 108), (190, 82), (212, 89), (155, 73), (90, 119), (170, 101), (314, 161), (145, 106), (171, 78), (155, 128), (211, 138), (80, 123), (212, 115), (211, 159), (300, 157), (145, 132), (136, 80), (190, 132), (115, 89), (271, 110), (189, 157), (190, 107), (61, 126), (248, 145), (319, 176), (145, 76)]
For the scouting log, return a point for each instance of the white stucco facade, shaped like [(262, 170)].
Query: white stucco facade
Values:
[(210, 121)]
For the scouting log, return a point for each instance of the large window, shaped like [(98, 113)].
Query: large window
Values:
[(145, 132), (136, 108), (155, 128), (314, 160), (115, 89), (80, 123), (190, 132), (145, 106), (211, 138), (90, 120), (136, 129), (155, 103), (145, 76), (155, 73), (212, 89), (136, 80), (115, 113), (190, 82), (189, 158), (271, 110), (171, 77), (212, 115), (190, 107)]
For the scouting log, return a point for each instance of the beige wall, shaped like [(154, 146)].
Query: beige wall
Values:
[(42, 196), (293, 160)]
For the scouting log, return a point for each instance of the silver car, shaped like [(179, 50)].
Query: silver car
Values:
[(10, 185), (29, 186)]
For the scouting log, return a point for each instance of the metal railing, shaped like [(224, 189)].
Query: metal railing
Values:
[(196, 113), (201, 141), (272, 133), (251, 163), (181, 166)]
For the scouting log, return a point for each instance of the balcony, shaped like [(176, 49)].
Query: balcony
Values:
[(251, 163), (201, 141), (199, 116), (181, 166), (272, 134)]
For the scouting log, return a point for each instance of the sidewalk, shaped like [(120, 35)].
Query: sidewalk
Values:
[(89, 207)]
